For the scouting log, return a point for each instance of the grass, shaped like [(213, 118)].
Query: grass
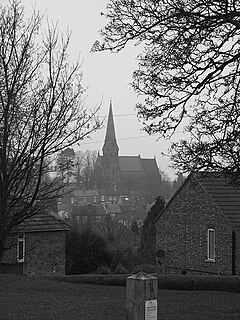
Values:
[(23, 298)]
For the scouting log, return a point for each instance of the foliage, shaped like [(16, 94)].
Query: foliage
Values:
[(86, 251), (188, 72), (147, 268), (120, 270), (41, 113), (103, 270), (121, 242), (116, 234), (124, 256), (135, 228), (165, 282), (148, 235)]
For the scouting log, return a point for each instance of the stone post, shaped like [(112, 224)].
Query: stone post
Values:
[(141, 300)]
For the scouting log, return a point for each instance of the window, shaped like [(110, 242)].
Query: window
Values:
[(21, 247), (94, 199), (211, 244), (72, 200), (59, 201), (102, 198)]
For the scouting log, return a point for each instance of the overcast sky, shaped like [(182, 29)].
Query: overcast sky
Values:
[(106, 75)]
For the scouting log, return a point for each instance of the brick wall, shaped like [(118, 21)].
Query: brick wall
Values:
[(182, 233)]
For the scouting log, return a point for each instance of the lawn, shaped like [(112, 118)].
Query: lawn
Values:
[(23, 298)]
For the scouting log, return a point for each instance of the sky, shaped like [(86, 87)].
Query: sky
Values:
[(106, 76)]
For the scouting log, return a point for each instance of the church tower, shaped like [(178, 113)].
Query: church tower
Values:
[(110, 161)]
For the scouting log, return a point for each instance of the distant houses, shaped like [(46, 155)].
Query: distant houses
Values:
[(88, 205), (198, 232)]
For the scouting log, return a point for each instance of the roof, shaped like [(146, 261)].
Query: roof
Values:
[(150, 165), (225, 195), (130, 164), (134, 164), (43, 221), (112, 208), (85, 193), (221, 190), (96, 209)]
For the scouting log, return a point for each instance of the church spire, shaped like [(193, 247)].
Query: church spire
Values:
[(110, 144)]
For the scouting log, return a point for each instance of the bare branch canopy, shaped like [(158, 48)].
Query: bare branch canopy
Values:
[(41, 113), (188, 74)]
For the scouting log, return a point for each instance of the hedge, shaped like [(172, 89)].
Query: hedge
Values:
[(166, 282)]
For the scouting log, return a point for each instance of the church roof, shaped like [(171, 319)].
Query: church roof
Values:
[(130, 163), (134, 164), (150, 165)]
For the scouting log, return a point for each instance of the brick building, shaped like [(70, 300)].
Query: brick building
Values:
[(36, 247), (198, 232)]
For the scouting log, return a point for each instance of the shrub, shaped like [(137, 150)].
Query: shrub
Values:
[(120, 270), (147, 268), (126, 257), (86, 251), (103, 270), (165, 282)]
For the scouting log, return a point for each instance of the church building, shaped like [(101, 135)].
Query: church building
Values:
[(124, 174)]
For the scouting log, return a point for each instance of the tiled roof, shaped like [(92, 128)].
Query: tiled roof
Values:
[(225, 195), (85, 193), (130, 163), (150, 165), (133, 164), (43, 221), (222, 192), (96, 209), (112, 208)]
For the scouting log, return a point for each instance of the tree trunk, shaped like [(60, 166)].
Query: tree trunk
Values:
[(2, 250)]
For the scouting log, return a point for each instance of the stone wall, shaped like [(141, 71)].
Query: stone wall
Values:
[(182, 234), (44, 253)]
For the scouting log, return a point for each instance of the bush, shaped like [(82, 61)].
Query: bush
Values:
[(165, 282), (126, 257), (120, 270), (103, 270), (86, 251), (147, 268)]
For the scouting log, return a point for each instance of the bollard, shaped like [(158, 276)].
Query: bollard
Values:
[(141, 300)]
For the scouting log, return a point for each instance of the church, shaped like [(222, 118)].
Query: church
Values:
[(119, 174)]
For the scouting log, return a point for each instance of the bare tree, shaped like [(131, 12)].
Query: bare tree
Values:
[(189, 72), (41, 113), (88, 168)]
